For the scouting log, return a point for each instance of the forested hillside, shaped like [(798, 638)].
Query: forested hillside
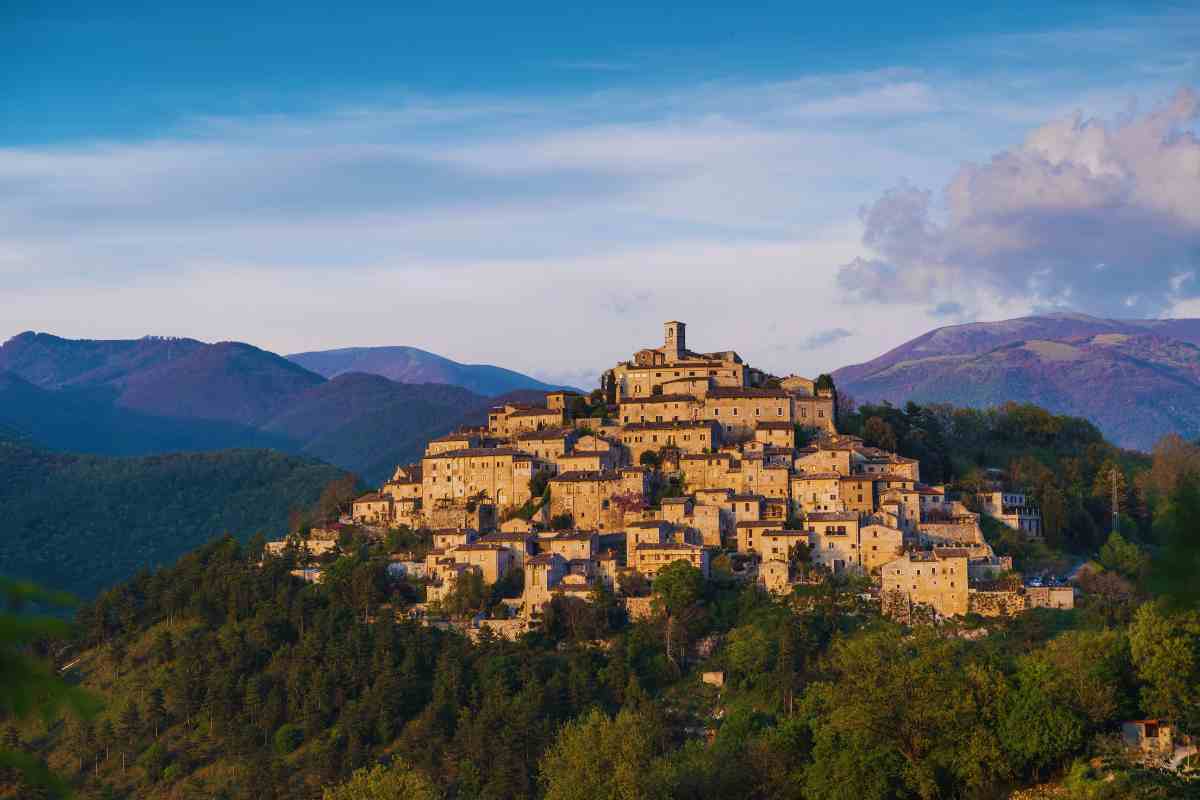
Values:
[(226, 679), (1064, 462), (81, 523), (226, 676)]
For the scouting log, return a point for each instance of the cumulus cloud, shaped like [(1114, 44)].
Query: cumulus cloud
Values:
[(1097, 215)]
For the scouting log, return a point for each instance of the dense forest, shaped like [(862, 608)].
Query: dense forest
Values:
[(1064, 464), (80, 523), (224, 676)]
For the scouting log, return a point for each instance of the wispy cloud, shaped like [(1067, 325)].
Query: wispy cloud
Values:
[(822, 338), (727, 203)]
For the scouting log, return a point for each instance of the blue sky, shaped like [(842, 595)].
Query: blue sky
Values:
[(810, 185)]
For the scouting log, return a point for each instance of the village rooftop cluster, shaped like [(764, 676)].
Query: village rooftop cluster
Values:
[(682, 455)]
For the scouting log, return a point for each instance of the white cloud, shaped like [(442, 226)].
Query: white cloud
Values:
[(1100, 216), (548, 235)]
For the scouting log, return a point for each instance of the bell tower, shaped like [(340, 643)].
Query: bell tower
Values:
[(674, 340)]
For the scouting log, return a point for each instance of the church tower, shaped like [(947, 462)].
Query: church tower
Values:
[(674, 341)]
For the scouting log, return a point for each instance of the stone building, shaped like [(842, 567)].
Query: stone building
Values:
[(691, 437), (372, 508), (592, 498), (938, 580), (499, 474), (649, 558)]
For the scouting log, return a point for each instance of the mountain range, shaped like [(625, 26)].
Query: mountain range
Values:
[(367, 409), (1136, 379), (157, 395), (410, 365)]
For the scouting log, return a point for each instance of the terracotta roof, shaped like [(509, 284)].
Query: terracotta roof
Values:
[(699, 456), (761, 523), (474, 452), (371, 497), (647, 523), (659, 398), (536, 412), (773, 426), (479, 546), (572, 536), (817, 476), (669, 546), (500, 536), (457, 436), (675, 500), (832, 516), (733, 392), (544, 435), (583, 476), (952, 552), (683, 424)]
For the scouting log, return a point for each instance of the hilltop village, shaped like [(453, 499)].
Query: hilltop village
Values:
[(699, 457)]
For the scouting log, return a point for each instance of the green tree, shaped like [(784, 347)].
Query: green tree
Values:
[(1035, 729), (877, 433), (156, 710), (395, 781), (1123, 556), (1165, 647), (597, 757), (678, 588), (29, 686), (1173, 571)]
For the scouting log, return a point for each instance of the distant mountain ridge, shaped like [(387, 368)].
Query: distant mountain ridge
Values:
[(157, 395), (412, 365), (1136, 379)]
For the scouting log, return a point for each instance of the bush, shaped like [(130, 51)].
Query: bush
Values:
[(288, 738), (649, 459)]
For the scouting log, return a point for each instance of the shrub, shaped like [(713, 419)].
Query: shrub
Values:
[(288, 738)]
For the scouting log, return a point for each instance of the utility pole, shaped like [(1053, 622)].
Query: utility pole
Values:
[(1115, 476)]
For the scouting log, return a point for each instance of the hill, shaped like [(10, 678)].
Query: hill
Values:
[(83, 522), (369, 424), (1136, 379), (410, 365), (176, 378), (156, 395)]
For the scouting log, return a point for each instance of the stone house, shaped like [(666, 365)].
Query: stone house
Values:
[(449, 538), (459, 440), (690, 437), (492, 560), (589, 496), (372, 508), (500, 474), (649, 557), (879, 544), (776, 545), (749, 533), (775, 434), (571, 545), (739, 409), (936, 580), (816, 492), (520, 544), (834, 540)]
